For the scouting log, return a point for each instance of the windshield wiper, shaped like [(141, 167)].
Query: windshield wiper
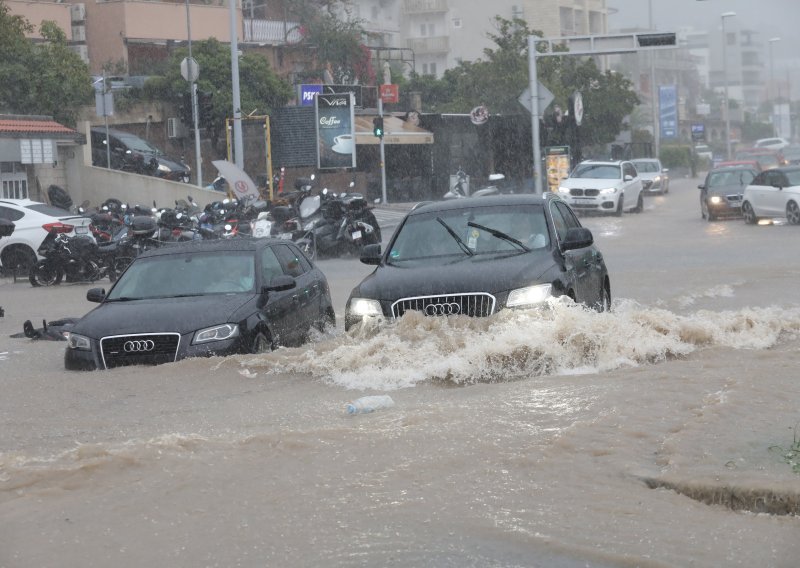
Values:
[(455, 236), (499, 235), (122, 299)]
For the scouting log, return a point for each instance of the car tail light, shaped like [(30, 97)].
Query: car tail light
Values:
[(57, 227)]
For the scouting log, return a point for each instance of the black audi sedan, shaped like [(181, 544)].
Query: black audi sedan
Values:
[(199, 299), (476, 256)]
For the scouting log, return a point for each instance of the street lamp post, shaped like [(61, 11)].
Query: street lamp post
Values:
[(725, 81), (770, 97)]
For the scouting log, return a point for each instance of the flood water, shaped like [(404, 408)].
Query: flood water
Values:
[(658, 434)]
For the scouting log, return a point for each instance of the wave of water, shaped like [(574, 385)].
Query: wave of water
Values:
[(563, 339)]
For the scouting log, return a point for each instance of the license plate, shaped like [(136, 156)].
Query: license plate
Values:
[(356, 235), (81, 230), (285, 236)]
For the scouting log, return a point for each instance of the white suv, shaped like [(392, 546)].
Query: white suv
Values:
[(606, 187), (772, 143)]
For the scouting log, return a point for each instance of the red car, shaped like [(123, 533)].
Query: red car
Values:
[(766, 158)]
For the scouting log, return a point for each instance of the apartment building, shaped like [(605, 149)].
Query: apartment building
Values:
[(435, 35)]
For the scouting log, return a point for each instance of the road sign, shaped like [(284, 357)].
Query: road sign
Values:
[(190, 69), (545, 98)]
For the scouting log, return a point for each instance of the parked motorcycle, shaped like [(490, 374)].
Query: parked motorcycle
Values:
[(78, 258), (345, 225), (497, 185)]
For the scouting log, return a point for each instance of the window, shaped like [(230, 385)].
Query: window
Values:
[(270, 265), (433, 68), (290, 262), (558, 221), (306, 264), (568, 215), (629, 170), (10, 214), (422, 29)]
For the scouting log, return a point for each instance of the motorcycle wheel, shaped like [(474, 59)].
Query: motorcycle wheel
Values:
[(44, 273), (308, 247), (92, 271), (119, 265)]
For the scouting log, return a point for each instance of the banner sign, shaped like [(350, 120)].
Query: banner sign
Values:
[(306, 92), (390, 93), (698, 132), (336, 143), (668, 110)]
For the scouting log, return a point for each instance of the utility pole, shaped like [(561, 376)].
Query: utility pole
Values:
[(238, 145), (384, 199), (193, 93)]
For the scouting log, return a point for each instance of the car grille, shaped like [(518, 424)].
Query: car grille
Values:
[(477, 304), (139, 349), (646, 183), (576, 191)]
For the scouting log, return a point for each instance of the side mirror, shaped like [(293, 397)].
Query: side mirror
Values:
[(576, 238), (665, 170), (701, 186), (628, 177), (371, 254), (96, 295)]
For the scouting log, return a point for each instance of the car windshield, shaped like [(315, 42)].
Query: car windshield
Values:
[(647, 167), (475, 231), (136, 143), (596, 171), (190, 274), (730, 177)]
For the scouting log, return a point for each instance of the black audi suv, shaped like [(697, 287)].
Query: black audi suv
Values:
[(476, 256)]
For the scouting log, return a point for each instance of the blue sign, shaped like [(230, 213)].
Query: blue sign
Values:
[(307, 93), (668, 110)]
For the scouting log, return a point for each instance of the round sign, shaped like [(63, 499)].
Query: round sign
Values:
[(479, 115), (190, 69), (241, 186), (577, 107)]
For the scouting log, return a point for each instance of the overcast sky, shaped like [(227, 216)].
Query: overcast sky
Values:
[(771, 18)]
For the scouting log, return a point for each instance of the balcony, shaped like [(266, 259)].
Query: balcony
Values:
[(424, 6), (429, 45), (271, 32)]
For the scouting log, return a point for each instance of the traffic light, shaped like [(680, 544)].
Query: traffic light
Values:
[(377, 126), (205, 107)]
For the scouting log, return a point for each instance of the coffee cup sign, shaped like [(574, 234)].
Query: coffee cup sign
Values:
[(343, 144)]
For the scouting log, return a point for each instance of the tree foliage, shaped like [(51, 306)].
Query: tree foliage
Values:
[(40, 78), (498, 79), (334, 41), (259, 87)]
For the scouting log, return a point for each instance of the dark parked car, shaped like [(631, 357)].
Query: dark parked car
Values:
[(134, 154), (200, 299), (476, 256), (721, 192)]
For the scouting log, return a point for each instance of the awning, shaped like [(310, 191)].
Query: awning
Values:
[(396, 131)]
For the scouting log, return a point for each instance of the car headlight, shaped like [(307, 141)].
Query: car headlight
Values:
[(657, 179), (715, 199), (163, 168), (608, 190), (75, 341), (529, 296), (216, 333), (363, 307)]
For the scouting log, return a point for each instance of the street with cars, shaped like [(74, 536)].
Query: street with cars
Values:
[(661, 398)]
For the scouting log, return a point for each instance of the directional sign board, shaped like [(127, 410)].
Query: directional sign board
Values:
[(545, 98)]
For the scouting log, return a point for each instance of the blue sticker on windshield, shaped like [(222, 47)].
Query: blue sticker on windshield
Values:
[(394, 254)]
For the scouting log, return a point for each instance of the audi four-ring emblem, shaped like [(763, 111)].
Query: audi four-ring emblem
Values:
[(139, 345), (446, 309)]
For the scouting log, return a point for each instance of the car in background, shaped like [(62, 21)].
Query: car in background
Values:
[(703, 152), (34, 221), (603, 186), (766, 157), (774, 143), (773, 193), (791, 155), (655, 178), (721, 192), (745, 163), (134, 154), (479, 255), (203, 298)]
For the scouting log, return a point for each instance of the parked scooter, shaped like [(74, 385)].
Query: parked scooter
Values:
[(496, 186), (345, 225)]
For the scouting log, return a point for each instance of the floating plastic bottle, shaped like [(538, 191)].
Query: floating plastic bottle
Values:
[(367, 404)]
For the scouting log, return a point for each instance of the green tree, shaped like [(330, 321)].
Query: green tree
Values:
[(260, 88), (498, 79), (46, 78)]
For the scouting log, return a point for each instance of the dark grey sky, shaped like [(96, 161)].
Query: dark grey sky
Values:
[(771, 18)]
